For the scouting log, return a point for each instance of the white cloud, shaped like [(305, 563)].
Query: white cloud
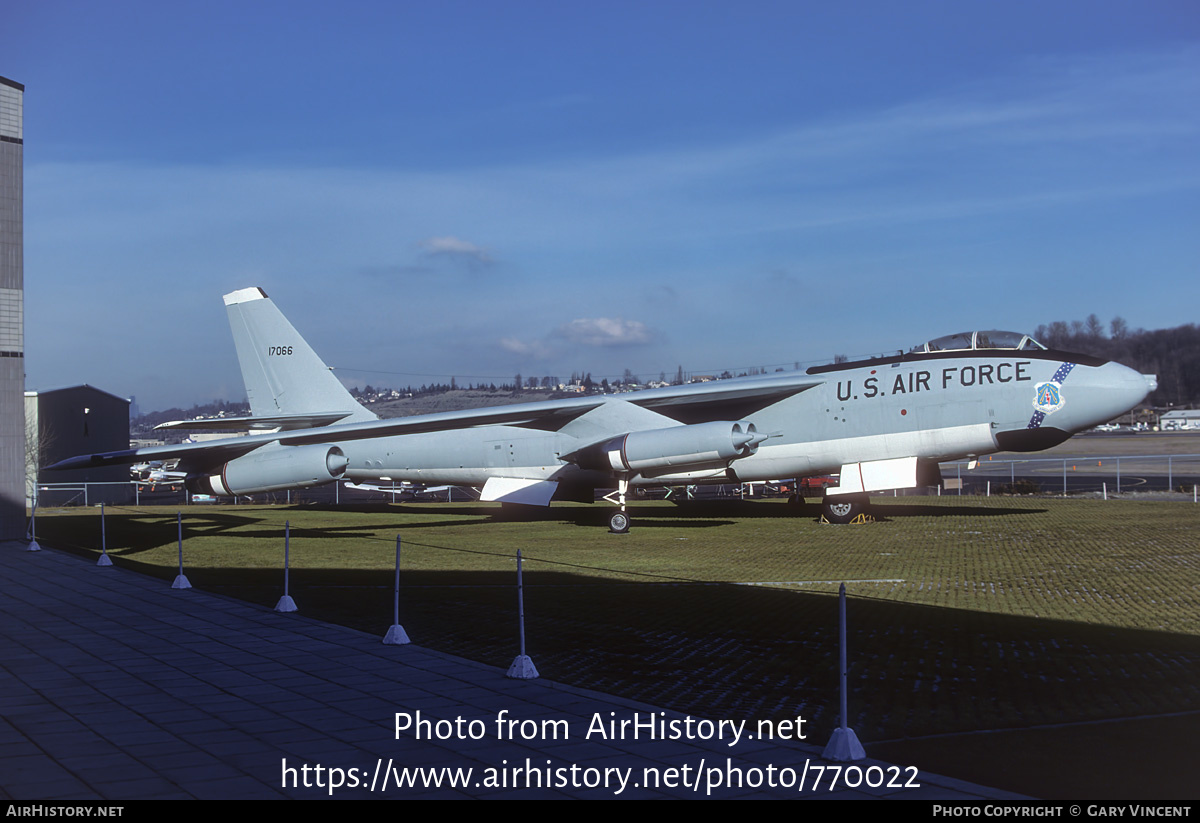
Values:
[(536, 349), (604, 331), (457, 249), (595, 332)]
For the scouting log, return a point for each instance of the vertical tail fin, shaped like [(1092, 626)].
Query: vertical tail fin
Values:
[(283, 375)]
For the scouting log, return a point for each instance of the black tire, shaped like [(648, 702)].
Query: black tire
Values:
[(841, 509), (618, 523)]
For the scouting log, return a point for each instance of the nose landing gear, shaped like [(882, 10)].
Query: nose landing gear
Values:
[(845, 508)]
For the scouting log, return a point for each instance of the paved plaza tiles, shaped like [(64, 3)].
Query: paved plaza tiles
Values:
[(117, 687)]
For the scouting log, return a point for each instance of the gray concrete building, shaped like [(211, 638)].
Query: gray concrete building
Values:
[(12, 311), (71, 421)]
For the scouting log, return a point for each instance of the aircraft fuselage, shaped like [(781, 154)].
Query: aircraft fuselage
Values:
[(933, 406)]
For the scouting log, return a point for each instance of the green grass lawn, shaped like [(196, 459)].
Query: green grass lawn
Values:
[(1000, 615)]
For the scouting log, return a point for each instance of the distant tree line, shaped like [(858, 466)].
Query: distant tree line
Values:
[(1172, 354)]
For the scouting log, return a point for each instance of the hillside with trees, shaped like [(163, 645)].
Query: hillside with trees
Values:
[(1172, 354)]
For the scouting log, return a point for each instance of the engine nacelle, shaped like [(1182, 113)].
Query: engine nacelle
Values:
[(701, 444), (273, 468)]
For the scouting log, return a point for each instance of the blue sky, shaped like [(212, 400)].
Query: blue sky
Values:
[(477, 189)]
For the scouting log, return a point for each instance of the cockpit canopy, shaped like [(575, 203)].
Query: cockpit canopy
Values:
[(969, 340)]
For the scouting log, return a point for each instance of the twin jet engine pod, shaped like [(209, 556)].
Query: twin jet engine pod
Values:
[(680, 446), (273, 468)]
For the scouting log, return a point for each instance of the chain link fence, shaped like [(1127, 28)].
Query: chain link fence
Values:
[(1177, 474)]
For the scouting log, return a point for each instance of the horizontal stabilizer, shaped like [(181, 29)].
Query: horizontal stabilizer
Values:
[(281, 422)]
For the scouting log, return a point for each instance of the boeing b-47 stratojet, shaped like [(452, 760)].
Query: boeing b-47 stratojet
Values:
[(882, 424)]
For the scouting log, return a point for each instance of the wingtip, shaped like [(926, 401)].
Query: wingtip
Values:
[(245, 295), (70, 463)]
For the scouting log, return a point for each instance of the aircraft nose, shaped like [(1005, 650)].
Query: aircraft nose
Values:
[(1113, 389)]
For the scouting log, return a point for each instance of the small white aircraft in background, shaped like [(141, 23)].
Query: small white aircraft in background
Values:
[(156, 473)]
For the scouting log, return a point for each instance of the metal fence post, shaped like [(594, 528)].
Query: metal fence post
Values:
[(33, 544), (181, 581), (522, 667), (104, 560), (844, 744), (286, 603), (396, 636)]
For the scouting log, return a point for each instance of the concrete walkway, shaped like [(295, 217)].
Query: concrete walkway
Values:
[(117, 687)]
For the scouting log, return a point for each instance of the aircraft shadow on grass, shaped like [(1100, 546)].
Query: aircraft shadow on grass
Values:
[(130, 534), (699, 514)]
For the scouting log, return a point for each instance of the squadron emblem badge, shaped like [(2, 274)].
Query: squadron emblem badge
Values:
[(1048, 397)]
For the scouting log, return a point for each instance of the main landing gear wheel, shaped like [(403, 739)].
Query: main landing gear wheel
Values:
[(618, 523), (843, 508)]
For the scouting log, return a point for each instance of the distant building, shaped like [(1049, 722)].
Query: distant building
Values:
[(1180, 419), (62, 423)]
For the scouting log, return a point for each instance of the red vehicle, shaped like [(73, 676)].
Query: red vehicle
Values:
[(816, 484)]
